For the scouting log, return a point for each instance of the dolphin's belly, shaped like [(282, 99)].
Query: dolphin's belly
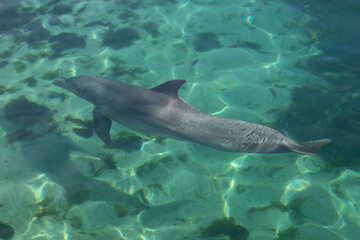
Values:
[(141, 123)]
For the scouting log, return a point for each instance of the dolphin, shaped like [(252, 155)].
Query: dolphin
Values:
[(160, 112)]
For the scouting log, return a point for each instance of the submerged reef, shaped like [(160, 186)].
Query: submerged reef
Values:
[(206, 41), (225, 227), (77, 193), (3, 64), (54, 21), (121, 38), (65, 41), (26, 24), (83, 132), (46, 207), (6, 231), (30, 81), (162, 164), (336, 115), (246, 44), (119, 68), (163, 2), (151, 28), (329, 110), (6, 54), (148, 167), (12, 16), (19, 66), (108, 160), (61, 9), (52, 75), (4, 89), (288, 234), (61, 96), (25, 126), (127, 14), (23, 111), (25, 120), (126, 141), (85, 129), (37, 33)]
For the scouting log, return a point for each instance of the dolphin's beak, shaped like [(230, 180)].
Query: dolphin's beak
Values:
[(60, 83)]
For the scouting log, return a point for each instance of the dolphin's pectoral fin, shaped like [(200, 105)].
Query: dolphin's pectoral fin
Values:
[(170, 88), (102, 126)]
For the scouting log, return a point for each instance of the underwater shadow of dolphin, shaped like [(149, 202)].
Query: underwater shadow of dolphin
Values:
[(161, 112), (49, 153)]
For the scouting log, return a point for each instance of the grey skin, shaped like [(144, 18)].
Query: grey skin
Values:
[(161, 112)]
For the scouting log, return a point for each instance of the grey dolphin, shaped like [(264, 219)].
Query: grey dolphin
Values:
[(161, 112)]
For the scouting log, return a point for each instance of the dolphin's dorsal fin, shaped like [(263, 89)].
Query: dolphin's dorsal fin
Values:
[(170, 88)]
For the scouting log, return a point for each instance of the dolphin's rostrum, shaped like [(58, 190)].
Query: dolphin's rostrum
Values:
[(161, 112)]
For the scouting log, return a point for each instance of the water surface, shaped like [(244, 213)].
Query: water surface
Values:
[(291, 65)]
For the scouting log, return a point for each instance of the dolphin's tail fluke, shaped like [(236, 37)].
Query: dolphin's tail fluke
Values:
[(308, 148)]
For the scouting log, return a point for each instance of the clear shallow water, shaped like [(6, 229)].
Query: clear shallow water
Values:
[(289, 65)]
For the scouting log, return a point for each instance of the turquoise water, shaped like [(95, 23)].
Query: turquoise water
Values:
[(290, 65)]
